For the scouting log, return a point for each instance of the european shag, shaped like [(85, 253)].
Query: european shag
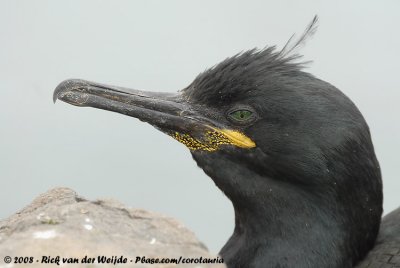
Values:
[(292, 153)]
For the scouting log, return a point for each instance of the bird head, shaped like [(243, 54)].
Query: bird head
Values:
[(283, 145)]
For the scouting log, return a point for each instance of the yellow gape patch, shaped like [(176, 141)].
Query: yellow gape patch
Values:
[(214, 138)]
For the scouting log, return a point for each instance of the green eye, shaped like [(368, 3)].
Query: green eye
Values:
[(241, 115)]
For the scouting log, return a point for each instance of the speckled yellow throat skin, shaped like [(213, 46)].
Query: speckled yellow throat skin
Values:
[(214, 138)]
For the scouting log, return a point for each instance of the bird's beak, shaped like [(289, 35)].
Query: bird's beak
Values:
[(168, 112)]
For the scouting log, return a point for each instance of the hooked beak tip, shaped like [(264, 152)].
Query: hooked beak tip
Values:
[(66, 86)]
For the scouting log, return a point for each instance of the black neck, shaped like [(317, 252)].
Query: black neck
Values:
[(290, 236), (281, 223)]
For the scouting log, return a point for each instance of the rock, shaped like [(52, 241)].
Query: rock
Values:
[(61, 224)]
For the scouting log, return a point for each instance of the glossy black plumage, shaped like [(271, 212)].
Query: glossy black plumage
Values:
[(301, 174)]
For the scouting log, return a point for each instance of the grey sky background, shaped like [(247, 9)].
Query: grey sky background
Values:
[(162, 46)]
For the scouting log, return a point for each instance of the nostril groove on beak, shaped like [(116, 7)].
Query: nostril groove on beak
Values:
[(183, 113)]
